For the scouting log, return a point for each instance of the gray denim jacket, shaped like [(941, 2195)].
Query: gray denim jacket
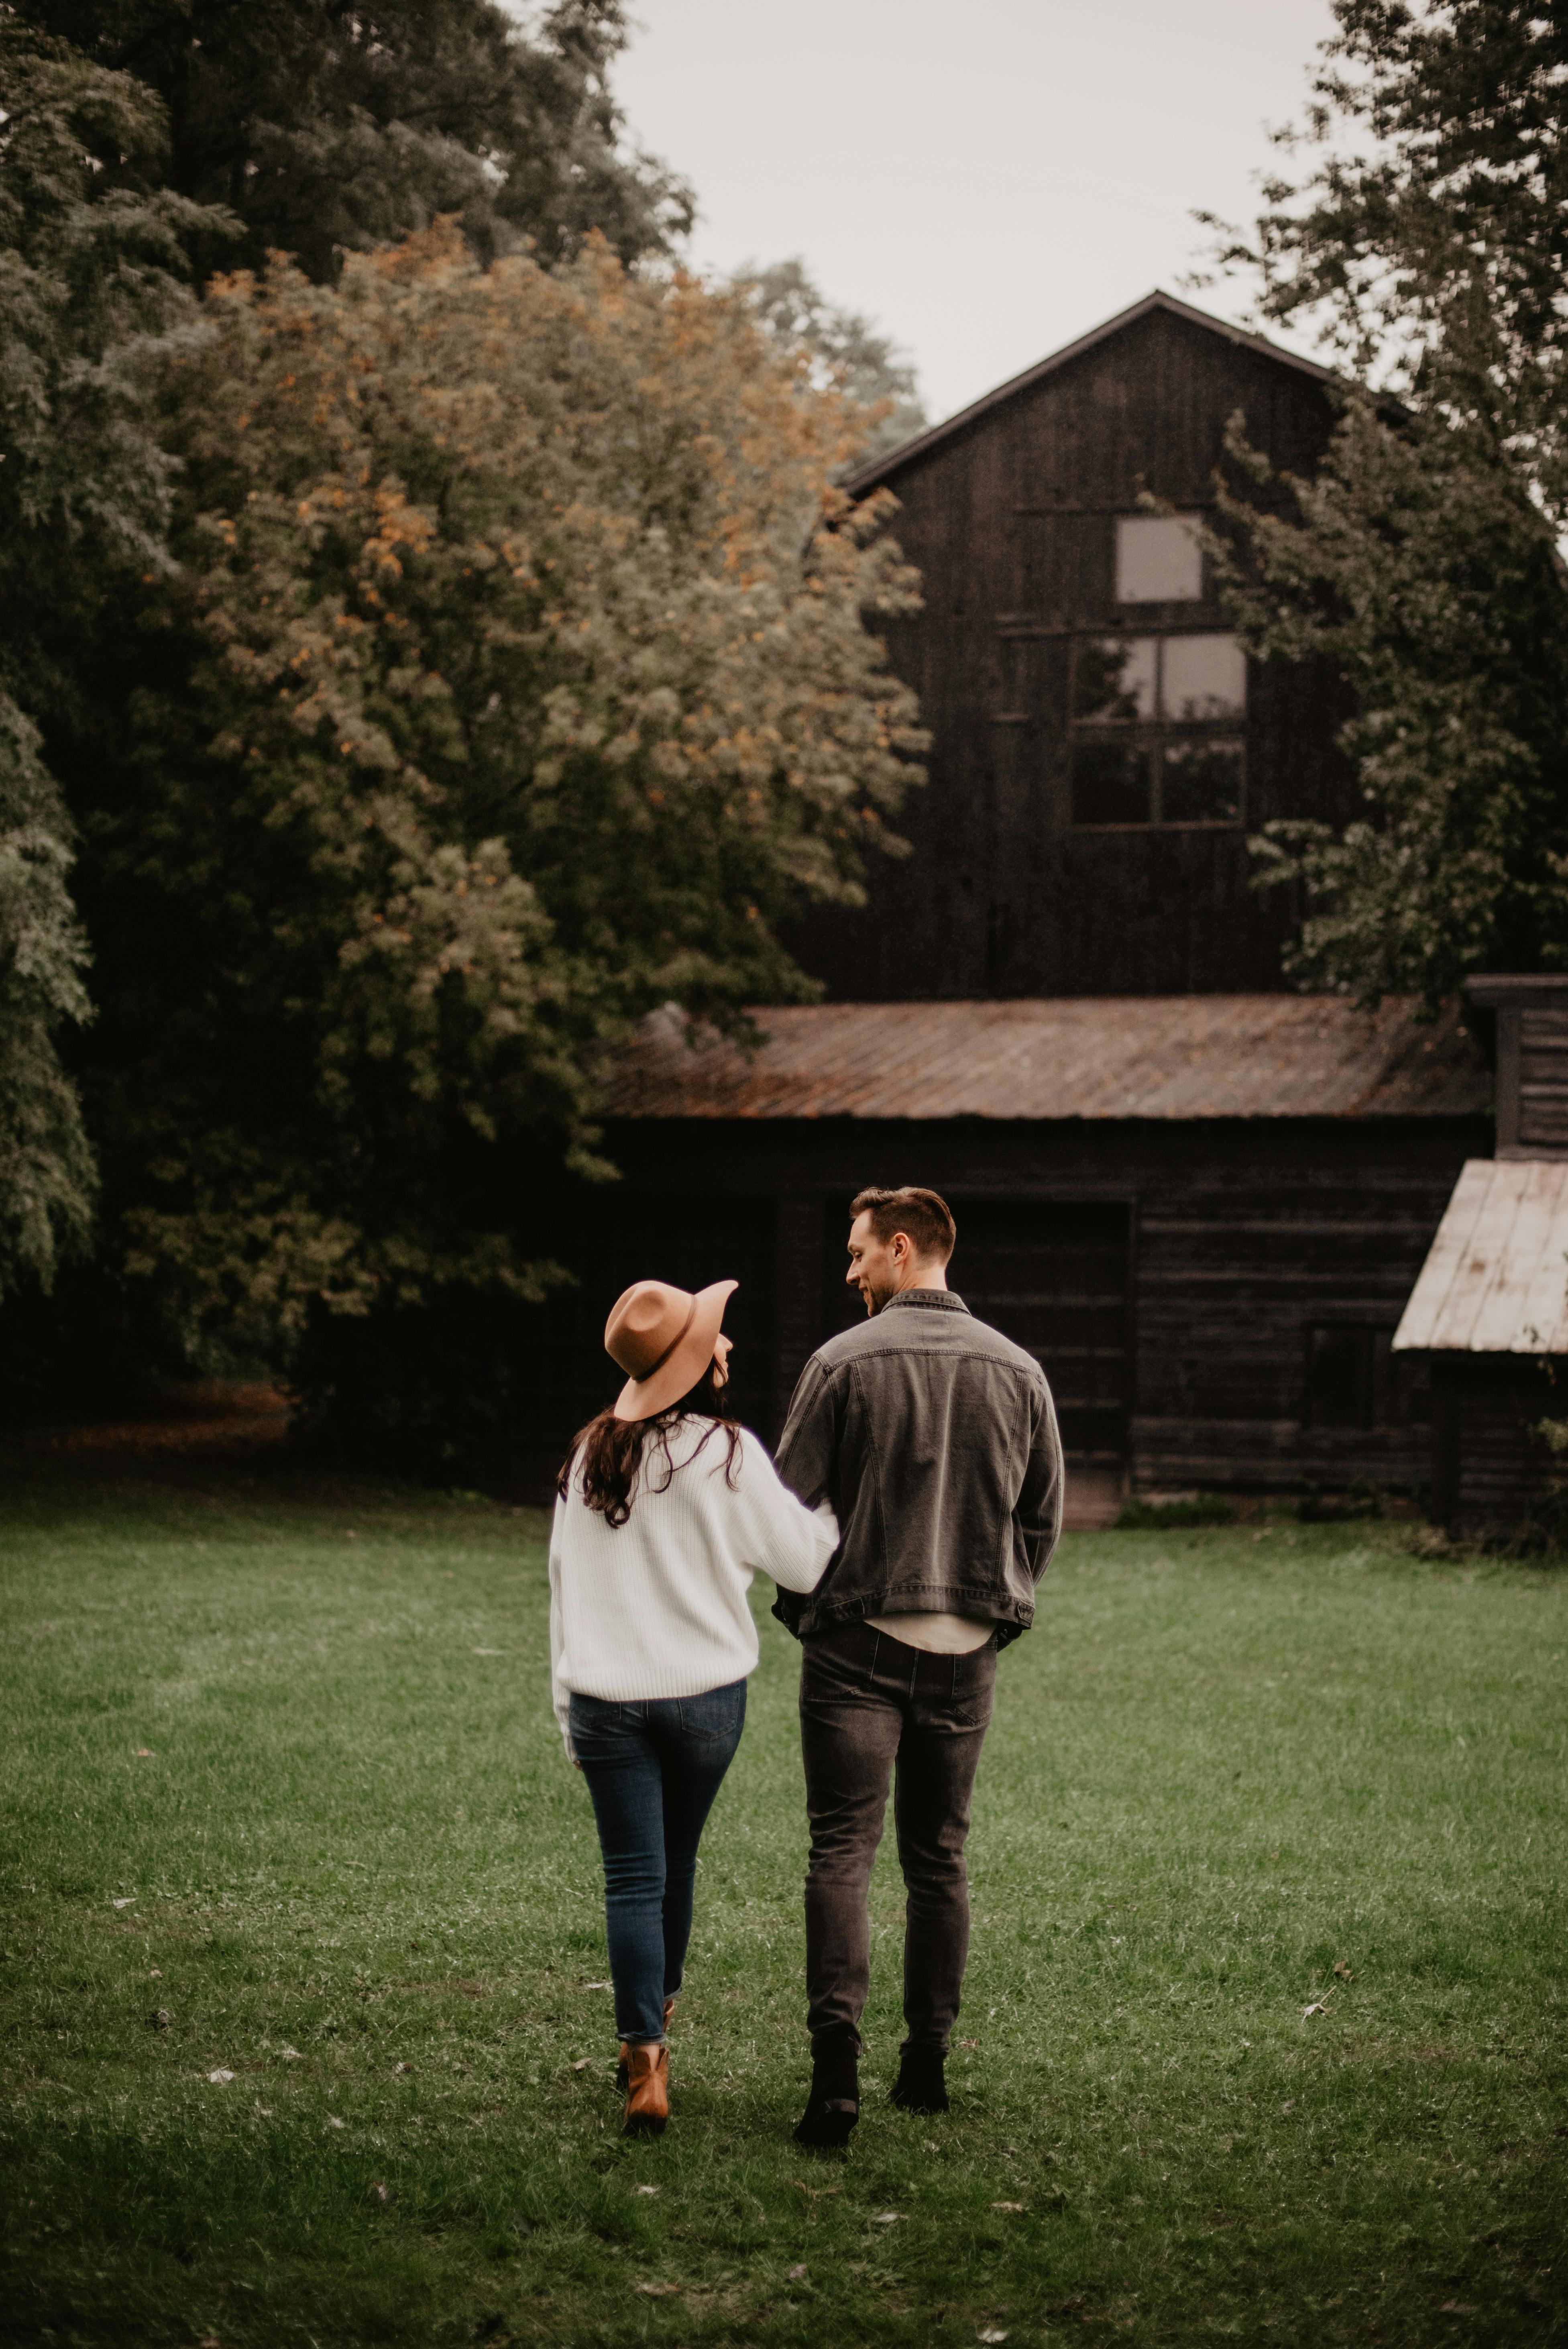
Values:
[(936, 1439)]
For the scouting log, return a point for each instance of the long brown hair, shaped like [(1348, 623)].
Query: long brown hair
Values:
[(609, 1450)]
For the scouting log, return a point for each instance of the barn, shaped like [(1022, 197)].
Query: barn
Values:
[(1486, 1328), (1202, 1199)]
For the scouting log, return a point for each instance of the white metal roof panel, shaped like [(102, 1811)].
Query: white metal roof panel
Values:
[(1496, 1278)]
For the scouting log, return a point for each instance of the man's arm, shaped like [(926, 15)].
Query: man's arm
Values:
[(807, 1461), (1044, 1488), (808, 1447)]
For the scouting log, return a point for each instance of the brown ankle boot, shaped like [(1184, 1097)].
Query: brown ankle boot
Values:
[(647, 2090), (621, 2066)]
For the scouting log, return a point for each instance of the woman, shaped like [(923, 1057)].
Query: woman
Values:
[(666, 1508)]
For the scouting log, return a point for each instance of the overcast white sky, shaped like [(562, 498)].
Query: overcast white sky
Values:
[(987, 180)]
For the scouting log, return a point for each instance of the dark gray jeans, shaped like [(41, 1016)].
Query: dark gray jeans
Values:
[(867, 1702)]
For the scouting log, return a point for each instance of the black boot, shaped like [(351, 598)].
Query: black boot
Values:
[(834, 2105), (920, 2086)]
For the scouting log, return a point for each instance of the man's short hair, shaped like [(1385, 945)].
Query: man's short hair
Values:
[(925, 1218)]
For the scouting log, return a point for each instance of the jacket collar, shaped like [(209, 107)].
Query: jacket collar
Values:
[(940, 1300)]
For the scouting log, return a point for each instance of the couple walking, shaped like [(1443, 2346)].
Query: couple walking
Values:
[(915, 1504)]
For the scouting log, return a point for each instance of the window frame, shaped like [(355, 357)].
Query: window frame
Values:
[(1187, 520), (1152, 735)]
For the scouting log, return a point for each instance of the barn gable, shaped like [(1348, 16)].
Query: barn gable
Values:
[(1102, 752)]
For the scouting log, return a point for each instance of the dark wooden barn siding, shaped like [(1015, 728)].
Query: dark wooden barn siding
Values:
[(1493, 1475), (1011, 524), (1244, 1238)]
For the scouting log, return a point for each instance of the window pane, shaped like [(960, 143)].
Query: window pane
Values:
[(1110, 782), (1202, 783), (1205, 676), (1158, 559), (1115, 679)]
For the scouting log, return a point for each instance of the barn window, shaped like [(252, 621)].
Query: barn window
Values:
[(1355, 1380), (1158, 559), (1156, 730)]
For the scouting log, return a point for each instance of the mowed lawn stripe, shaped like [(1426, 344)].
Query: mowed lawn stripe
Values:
[(1263, 2034)]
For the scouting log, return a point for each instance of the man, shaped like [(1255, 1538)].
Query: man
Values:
[(936, 1439)]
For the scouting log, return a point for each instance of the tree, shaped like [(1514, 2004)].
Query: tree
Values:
[(1425, 240), (46, 1174), (325, 126), (514, 682), (843, 350), (90, 296)]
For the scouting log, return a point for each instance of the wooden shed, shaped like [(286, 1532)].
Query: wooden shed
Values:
[(1201, 1198), (1487, 1319)]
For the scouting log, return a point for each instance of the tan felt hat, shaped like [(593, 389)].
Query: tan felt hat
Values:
[(663, 1337)]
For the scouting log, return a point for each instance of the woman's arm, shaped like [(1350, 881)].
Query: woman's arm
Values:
[(778, 1535), (561, 1697)]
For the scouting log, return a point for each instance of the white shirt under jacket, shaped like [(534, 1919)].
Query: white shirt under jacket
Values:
[(656, 1607)]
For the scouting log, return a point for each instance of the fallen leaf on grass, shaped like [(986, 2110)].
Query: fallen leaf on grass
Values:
[(1456, 2308), (598, 1985), (160, 2018), (209, 2341), (397, 2069), (1342, 1970), (1010, 2206), (991, 2332), (1318, 2005), (291, 2055), (658, 2290), (582, 2062), (144, 1753), (645, 2190), (887, 2218), (220, 2078), (796, 2274), (969, 2043), (129, 1902), (382, 2193), (332, 2122)]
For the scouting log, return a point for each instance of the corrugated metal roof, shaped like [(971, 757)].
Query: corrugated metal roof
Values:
[(1496, 1281), (1066, 1057)]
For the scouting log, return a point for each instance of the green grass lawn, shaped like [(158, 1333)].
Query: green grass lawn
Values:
[(1263, 2034)]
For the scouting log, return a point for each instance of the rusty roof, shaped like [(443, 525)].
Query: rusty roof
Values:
[(1064, 1056), (1496, 1281)]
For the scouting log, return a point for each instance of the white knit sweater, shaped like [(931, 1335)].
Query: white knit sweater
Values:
[(657, 1607)]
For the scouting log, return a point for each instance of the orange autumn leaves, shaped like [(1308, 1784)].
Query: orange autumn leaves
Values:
[(535, 683)]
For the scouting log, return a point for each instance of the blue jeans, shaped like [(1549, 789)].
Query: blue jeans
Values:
[(652, 1770)]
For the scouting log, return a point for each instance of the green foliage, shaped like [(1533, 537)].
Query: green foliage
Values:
[(1422, 236), (1229, 1780), (327, 128), (1139, 1516), (47, 1176), (844, 351), (494, 704), (1420, 567), (90, 300)]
